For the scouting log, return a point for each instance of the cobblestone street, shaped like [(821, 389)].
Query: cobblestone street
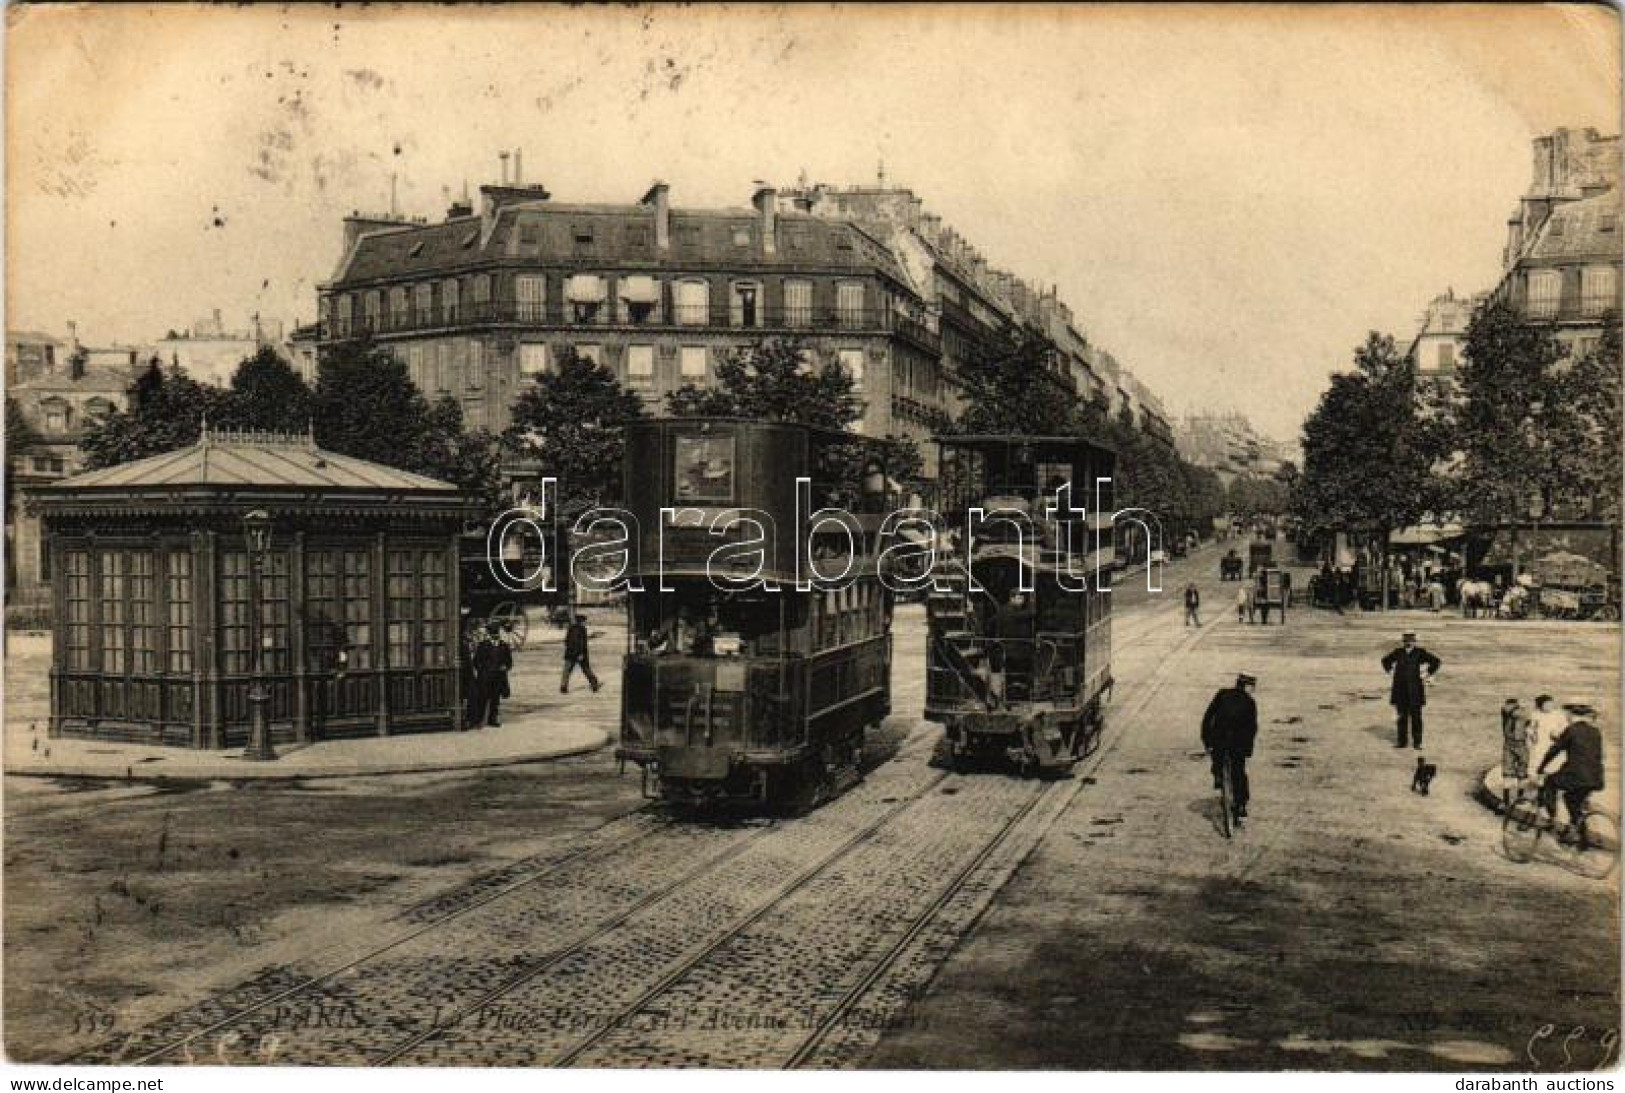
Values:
[(1351, 921)]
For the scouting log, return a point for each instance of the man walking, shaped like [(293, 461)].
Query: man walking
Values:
[(1411, 666), (1193, 601), (575, 655), (492, 663), (1228, 729)]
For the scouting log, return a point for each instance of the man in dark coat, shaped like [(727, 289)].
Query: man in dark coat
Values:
[(1193, 604), (1581, 775), (492, 661), (575, 655), (1408, 692), (1228, 729)]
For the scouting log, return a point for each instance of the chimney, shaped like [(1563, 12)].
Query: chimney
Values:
[(73, 335), (503, 156), (659, 196), (766, 201), (518, 166)]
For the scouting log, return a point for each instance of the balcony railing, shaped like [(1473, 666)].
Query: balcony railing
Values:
[(623, 314)]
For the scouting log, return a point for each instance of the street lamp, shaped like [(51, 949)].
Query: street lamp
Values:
[(257, 533)]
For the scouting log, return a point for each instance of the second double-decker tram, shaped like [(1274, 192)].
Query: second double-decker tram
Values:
[(741, 683)]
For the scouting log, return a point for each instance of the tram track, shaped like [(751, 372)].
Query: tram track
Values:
[(220, 1024), (640, 1044)]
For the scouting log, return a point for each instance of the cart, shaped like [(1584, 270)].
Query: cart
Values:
[(1271, 591)]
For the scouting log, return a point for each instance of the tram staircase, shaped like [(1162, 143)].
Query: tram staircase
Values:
[(948, 606)]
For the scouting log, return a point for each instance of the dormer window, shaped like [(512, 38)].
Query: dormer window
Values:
[(530, 233), (582, 235), (741, 236)]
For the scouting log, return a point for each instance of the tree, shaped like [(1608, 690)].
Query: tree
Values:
[(1007, 389), (365, 405), (1365, 466), (166, 411), (571, 421), (266, 393), (773, 380), (1591, 391), (21, 441), (1510, 421)]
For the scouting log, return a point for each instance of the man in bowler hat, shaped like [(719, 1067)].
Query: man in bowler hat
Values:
[(1411, 666)]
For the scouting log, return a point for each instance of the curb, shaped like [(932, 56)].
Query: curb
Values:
[(319, 775)]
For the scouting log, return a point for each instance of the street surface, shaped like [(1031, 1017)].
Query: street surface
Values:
[(539, 915)]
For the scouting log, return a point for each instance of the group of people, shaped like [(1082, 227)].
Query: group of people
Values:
[(1564, 734), (488, 658), (1531, 741)]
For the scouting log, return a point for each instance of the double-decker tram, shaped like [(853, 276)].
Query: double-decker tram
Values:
[(746, 681), (1018, 654)]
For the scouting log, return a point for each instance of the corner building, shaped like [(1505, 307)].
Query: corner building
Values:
[(479, 304)]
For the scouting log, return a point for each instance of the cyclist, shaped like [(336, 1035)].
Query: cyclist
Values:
[(1228, 730), (1581, 775)]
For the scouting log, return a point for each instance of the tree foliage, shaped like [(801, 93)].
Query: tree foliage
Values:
[(266, 393), (365, 405), (166, 411), (571, 421), (773, 380), (1509, 421), (1366, 462), (1007, 389)]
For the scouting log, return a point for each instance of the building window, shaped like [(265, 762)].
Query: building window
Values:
[(432, 612), (797, 303), (584, 292), (744, 303), (1545, 288), (640, 365), (398, 313), (532, 358), (849, 303), (482, 296), (179, 579), (1599, 289), (691, 362), (76, 589), (143, 614), (324, 632), (414, 366), (741, 235), (693, 303), (640, 299), (345, 316), (56, 416), (590, 352), (438, 354), (530, 233), (476, 364), (372, 310), (449, 301), (402, 608), (357, 587), (852, 364), (1447, 356), (531, 293), (423, 313)]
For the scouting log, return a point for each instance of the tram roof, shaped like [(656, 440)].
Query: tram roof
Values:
[(994, 440), (806, 426)]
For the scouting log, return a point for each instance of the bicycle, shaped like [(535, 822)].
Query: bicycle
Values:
[(1594, 837), (1227, 802)]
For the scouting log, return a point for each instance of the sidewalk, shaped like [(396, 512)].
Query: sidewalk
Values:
[(539, 724)]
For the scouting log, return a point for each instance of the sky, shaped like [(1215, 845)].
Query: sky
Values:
[(1229, 197)]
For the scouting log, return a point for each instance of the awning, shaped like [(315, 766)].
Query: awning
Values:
[(640, 289), (1425, 534), (584, 288)]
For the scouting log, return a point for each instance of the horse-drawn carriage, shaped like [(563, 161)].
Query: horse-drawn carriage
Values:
[(1230, 566), (1259, 555), (1569, 586)]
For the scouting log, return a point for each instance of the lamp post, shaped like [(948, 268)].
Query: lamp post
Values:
[(257, 533)]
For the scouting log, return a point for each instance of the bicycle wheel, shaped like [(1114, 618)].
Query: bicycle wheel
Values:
[(1601, 853), (1227, 798), (1520, 831)]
